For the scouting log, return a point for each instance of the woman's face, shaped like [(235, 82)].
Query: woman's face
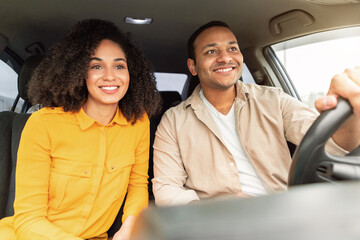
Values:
[(108, 75)]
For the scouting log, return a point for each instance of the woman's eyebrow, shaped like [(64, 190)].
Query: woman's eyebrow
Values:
[(99, 59)]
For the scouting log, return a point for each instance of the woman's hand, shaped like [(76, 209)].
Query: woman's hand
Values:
[(125, 230)]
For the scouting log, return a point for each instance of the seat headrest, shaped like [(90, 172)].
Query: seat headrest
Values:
[(26, 72)]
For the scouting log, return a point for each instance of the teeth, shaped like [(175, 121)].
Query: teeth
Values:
[(109, 88), (223, 70)]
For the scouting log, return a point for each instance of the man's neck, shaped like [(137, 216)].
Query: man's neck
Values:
[(221, 99)]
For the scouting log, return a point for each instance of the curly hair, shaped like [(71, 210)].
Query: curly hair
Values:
[(59, 80)]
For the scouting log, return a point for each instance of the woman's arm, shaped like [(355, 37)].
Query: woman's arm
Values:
[(137, 194), (32, 184)]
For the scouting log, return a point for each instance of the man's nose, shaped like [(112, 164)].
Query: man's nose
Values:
[(224, 56)]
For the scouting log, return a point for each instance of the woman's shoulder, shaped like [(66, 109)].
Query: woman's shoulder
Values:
[(50, 112)]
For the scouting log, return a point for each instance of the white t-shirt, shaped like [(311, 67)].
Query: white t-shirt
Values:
[(250, 182)]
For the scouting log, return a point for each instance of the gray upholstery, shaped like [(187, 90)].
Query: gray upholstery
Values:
[(26, 73), (11, 125), (6, 119), (17, 127)]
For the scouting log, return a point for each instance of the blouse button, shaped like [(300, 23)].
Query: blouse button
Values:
[(85, 172), (112, 167)]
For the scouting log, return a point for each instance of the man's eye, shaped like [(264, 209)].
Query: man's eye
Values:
[(211, 52), (233, 49)]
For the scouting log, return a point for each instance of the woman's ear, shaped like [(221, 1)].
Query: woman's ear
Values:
[(191, 66)]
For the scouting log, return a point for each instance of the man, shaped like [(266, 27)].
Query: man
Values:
[(229, 138)]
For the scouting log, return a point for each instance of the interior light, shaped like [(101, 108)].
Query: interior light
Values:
[(138, 21)]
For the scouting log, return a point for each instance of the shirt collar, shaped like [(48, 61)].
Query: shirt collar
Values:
[(85, 121), (242, 94)]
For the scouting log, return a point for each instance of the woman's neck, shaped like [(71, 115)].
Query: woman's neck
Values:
[(103, 114)]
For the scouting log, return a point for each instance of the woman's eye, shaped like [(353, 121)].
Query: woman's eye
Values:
[(119, 67), (96, 67)]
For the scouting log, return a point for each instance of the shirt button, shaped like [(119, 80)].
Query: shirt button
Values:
[(85, 172), (112, 167), (53, 166), (232, 164)]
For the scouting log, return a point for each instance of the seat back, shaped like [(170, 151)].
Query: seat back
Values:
[(26, 72), (18, 124), (11, 125), (6, 119)]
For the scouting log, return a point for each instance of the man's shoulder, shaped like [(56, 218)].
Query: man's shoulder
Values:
[(179, 109), (262, 89)]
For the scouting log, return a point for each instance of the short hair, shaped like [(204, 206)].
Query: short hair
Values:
[(59, 81), (190, 43)]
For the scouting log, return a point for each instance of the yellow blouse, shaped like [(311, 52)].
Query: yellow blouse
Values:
[(73, 173)]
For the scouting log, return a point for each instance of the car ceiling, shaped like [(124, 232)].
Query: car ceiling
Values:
[(164, 41)]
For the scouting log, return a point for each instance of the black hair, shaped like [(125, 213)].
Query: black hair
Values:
[(190, 43), (59, 81)]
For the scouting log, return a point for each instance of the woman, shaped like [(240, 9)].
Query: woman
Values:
[(89, 146)]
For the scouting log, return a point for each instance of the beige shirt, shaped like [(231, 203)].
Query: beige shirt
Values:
[(191, 161)]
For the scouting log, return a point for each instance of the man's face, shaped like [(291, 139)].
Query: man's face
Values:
[(219, 61)]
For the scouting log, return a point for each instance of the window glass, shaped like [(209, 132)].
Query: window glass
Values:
[(313, 60), (246, 75), (170, 81), (8, 90)]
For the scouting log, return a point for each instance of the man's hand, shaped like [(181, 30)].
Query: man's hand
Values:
[(125, 230), (346, 85)]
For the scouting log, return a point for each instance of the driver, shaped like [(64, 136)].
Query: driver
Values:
[(229, 138)]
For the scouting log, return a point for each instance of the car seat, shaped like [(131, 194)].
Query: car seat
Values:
[(11, 125)]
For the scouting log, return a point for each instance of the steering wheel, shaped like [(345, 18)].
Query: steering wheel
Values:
[(312, 164)]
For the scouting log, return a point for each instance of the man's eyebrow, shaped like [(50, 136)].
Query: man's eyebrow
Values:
[(215, 44), (209, 45), (99, 59)]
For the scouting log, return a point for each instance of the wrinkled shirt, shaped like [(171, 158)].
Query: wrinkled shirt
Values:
[(191, 161), (73, 173)]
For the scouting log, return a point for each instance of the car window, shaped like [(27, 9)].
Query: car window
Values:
[(311, 61), (8, 81), (170, 81)]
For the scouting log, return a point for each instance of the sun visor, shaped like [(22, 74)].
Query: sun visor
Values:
[(3, 43)]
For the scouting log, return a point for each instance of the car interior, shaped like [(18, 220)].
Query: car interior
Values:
[(29, 28)]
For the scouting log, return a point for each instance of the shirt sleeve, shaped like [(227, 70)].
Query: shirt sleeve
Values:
[(32, 184), (169, 172), (137, 193), (298, 118)]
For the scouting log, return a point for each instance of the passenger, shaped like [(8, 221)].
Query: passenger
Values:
[(89, 146), (229, 138)]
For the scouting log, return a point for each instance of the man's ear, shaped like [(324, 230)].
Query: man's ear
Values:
[(191, 66)]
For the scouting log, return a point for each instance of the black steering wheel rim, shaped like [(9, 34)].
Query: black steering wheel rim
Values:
[(311, 163)]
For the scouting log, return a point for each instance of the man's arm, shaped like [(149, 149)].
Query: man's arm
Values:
[(346, 85), (169, 172)]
